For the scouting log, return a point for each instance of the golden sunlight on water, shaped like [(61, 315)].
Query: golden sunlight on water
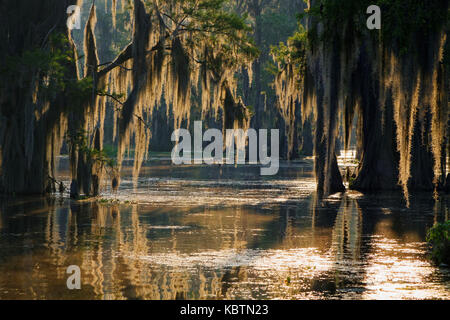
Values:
[(221, 233)]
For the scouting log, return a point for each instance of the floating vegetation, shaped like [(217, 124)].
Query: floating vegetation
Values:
[(439, 239)]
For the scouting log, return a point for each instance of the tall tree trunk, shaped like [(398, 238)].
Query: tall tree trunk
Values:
[(378, 168), (32, 122)]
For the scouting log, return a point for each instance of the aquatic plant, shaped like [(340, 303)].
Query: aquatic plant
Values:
[(439, 239)]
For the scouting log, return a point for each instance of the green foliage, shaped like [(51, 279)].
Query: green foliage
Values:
[(207, 21), (251, 109), (439, 239), (52, 64), (79, 140), (78, 91), (110, 150), (293, 52), (400, 19), (351, 182)]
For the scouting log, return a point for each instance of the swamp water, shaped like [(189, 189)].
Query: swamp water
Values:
[(210, 232)]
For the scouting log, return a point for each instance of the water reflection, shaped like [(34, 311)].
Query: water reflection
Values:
[(286, 246)]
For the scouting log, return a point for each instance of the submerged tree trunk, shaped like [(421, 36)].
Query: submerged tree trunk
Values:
[(378, 168), (323, 74)]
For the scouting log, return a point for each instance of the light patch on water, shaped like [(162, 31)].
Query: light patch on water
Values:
[(168, 227), (347, 158), (259, 260), (395, 272), (188, 192)]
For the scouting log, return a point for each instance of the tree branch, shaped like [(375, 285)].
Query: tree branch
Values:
[(123, 57)]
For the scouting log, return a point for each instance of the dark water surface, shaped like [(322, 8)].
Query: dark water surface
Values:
[(221, 233)]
